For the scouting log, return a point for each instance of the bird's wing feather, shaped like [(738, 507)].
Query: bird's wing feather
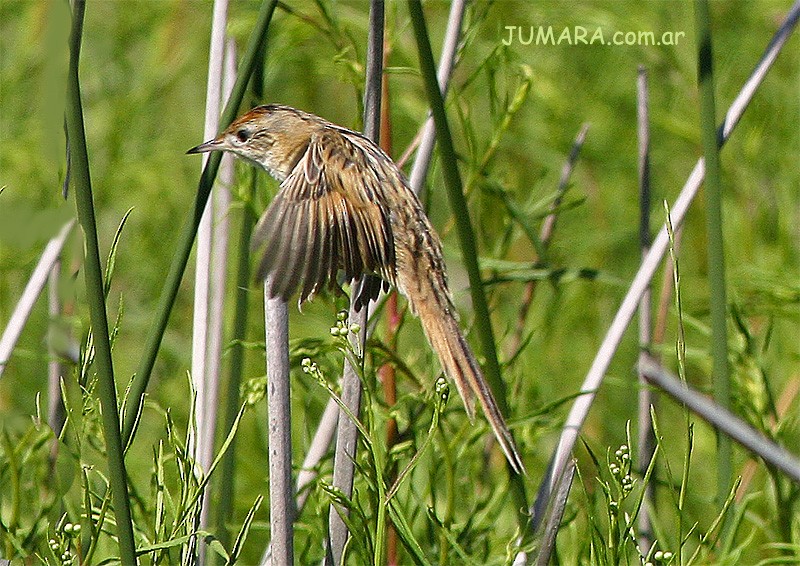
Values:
[(326, 217)]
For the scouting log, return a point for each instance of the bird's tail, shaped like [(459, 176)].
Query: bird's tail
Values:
[(438, 320)]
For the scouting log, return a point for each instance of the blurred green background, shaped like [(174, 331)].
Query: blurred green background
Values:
[(143, 73)]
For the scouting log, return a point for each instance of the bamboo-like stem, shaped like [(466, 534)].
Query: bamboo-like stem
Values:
[(281, 493), (281, 505), (716, 252), (218, 275), (347, 433), (373, 82), (446, 63), (723, 420), (184, 247), (219, 272), (32, 290), (646, 439), (647, 269), (202, 352), (95, 295), (316, 451), (204, 379), (239, 331), (199, 447), (236, 369), (466, 235)]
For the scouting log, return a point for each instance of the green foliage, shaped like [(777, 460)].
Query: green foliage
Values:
[(57, 485), (514, 111)]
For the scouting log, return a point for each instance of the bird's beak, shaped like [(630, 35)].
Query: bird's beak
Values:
[(217, 144)]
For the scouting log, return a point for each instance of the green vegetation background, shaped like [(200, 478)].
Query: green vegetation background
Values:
[(143, 72)]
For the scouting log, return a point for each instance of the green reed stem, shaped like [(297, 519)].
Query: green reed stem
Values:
[(466, 235), (452, 180), (227, 475), (95, 295), (716, 255), (184, 248)]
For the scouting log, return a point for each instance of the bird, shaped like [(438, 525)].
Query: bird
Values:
[(344, 206)]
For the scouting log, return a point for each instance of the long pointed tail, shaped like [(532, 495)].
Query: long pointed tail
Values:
[(460, 365)]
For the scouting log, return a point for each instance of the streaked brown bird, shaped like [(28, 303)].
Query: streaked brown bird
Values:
[(344, 205)]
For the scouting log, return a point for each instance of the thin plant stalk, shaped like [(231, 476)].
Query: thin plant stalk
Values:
[(56, 413), (347, 433), (172, 281), (649, 265), (723, 420), (236, 352), (716, 252), (646, 440), (281, 505), (680, 351), (376, 119), (446, 63), (202, 446), (387, 374), (219, 272), (55, 406), (546, 233), (346, 443), (426, 134), (224, 508), (218, 276), (316, 451), (281, 493), (95, 295), (466, 235), (32, 290), (206, 310)]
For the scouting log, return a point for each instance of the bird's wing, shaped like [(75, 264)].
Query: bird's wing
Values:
[(325, 217)]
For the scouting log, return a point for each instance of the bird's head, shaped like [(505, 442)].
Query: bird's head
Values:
[(271, 136)]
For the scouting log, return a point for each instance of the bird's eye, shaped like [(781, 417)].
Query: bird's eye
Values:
[(242, 135)]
